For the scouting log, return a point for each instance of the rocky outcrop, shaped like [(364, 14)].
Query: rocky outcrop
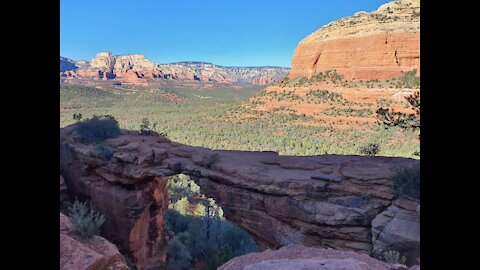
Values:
[(134, 213), (135, 68), (375, 45), (332, 198), (67, 64), (398, 228), (301, 257), (93, 254), (105, 61), (201, 71)]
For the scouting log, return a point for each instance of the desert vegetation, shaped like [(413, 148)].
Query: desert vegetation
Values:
[(216, 118), (86, 222), (406, 182), (394, 257), (98, 128), (200, 233)]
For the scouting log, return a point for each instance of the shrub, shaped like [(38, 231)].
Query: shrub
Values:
[(393, 257), (370, 149), (98, 128), (406, 182), (145, 128), (178, 256), (409, 79), (77, 117), (104, 151), (302, 81), (86, 222)]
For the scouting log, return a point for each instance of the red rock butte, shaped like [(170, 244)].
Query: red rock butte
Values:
[(376, 45)]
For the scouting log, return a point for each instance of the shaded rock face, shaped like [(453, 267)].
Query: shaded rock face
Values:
[(63, 195), (333, 198), (375, 45), (67, 64), (134, 212), (93, 254), (398, 228), (300, 257)]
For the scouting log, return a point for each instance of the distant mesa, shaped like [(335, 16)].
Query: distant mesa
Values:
[(136, 68), (376, 45)]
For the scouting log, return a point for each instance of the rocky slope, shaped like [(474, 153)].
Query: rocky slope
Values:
[(135, 68), (334, 199), (375, 45), (301, 257), (93, 254), (67, 64)]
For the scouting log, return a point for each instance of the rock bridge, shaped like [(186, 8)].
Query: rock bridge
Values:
[(333, 199)]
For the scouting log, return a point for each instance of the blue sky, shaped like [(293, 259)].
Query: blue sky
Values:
[(224, 32)]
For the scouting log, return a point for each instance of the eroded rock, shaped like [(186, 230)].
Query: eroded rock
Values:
[(376, 45), (93, 254), (398, 228), (334, 198)]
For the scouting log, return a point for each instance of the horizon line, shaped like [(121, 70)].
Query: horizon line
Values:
[(185, 61)]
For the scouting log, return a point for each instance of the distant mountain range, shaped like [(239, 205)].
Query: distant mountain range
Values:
[(134, 68)]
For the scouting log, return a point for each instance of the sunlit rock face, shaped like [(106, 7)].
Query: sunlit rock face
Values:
[(333, 199), (78, 254), (121, 67), (376, 45)]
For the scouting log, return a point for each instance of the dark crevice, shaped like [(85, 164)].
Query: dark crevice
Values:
[(316, 60), (396, 58)]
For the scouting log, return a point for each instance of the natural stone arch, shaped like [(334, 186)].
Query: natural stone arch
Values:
[(333, 197)]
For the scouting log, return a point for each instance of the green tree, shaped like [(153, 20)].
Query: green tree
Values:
[(178, 256), (406, 121)]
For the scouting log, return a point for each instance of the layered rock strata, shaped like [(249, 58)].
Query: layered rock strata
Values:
[(331, 199), (134, 68), (376, 45)]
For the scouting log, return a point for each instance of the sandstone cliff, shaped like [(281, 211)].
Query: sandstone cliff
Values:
[(375, 45), (333, 198), (105, 61), (135, 68)]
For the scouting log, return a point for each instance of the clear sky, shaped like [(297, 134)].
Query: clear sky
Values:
[(223, 32)]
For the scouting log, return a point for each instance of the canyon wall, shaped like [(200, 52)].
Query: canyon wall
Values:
[(334, 198), (376, 45)]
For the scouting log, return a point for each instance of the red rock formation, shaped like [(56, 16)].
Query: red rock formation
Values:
[(378, 56), (93, 254), (135, 68), (130, 76), (300, 257), (398, 228), (133, 210), (264, 193), (364, 46)]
